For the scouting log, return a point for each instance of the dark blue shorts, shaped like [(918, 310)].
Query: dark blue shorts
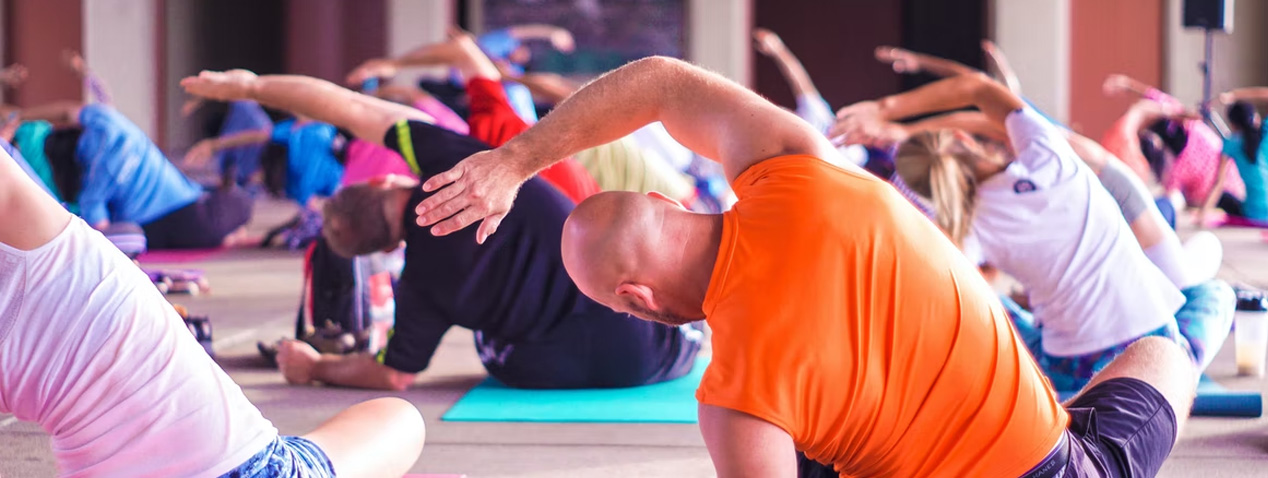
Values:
[(202, 224), (593, 348), (1120, 428), (286, 457)]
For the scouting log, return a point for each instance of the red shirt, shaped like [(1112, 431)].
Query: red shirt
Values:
[(493, 121)]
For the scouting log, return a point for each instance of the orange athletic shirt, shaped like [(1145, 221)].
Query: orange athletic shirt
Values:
[(843, 316)]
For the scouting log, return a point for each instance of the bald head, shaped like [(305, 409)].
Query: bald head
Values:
[(628, 251), (604, 238)]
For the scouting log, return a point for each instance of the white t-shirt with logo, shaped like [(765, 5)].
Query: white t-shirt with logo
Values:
[(93, 353), (1047, 221)]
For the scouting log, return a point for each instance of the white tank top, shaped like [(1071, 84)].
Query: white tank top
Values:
[(93, 353)]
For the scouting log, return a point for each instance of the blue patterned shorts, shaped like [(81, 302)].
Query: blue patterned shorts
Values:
[(286, 457), (1200, 326)]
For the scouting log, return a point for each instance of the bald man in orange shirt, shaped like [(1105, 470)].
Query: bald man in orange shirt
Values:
[(846, 326)]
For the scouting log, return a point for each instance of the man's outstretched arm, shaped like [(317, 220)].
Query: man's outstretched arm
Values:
[(907, 61), (1254, 93), (972, 122), (365, 116), (705, 112), (993, 99)]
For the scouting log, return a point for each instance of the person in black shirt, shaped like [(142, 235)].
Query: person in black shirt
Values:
[(533, 327)]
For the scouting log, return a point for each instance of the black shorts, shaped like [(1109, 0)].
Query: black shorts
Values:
[(202, 224), (1120, 428), (593, 348)]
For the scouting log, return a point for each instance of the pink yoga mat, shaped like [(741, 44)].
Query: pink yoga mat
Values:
[(1234, 221), (434, 476), (179, 255)]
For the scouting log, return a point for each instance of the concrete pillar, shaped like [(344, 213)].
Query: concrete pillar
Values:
[(119, 46), (718, 37), (1035, 34), (181, 58)]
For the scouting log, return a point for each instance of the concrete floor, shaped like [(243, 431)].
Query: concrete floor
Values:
[(255, 294)]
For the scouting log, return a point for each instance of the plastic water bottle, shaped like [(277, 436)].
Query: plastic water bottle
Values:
[(1251, 329)]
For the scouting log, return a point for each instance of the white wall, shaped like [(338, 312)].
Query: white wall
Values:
[(411, 23), (119, 45), (718, 37), (1035, 34), (1241, 59)]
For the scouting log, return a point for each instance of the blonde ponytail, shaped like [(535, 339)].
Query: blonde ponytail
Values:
[(936, 165)]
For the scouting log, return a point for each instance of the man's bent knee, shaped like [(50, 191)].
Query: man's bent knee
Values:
[(1167, 367)]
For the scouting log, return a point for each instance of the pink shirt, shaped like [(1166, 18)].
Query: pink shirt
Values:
[(445, 117), (367, 160), (1194, 170)]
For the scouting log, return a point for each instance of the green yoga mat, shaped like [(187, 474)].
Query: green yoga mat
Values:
[(668, 402)]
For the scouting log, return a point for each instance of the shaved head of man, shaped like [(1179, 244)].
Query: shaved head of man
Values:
[(645, 255)]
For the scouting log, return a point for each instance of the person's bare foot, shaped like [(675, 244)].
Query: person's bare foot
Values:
[(241, 238)]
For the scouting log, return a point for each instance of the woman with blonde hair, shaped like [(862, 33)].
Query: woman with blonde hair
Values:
[(1044, 218)]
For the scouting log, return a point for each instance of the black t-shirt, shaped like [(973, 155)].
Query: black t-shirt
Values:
[(513, 287)]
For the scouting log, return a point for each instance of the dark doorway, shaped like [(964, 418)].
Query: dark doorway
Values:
[(216, 35), (952, 29), (836, 40)]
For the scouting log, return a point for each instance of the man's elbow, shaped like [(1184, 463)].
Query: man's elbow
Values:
[(398, 381), (980, 84)]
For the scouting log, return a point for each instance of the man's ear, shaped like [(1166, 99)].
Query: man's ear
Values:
[(662, 197), (639, 293)]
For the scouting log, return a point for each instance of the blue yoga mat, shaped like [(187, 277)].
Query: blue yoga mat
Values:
[(1213, 400), (668, 402)]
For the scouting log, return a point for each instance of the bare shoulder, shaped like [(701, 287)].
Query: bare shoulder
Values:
[(23, 202)]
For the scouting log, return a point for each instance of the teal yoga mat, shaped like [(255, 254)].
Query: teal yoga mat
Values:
[(1213, 400), (668, 402)]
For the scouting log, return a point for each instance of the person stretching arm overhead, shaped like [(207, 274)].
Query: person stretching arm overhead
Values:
[(810, 104), (775, 384), (104, 163), (644, 91), (120, 349), (528, 312), (1195, 171)]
